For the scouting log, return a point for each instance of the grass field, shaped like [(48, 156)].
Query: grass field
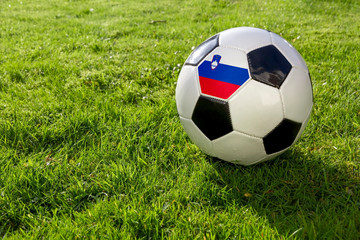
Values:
[(90, 141)]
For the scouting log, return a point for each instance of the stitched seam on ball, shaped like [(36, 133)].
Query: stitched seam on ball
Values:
[(261, 159), (184, 117), (282, 103), (248, 135), (271, 39), (307, 72), (240, 88), (301, 69), (231, 47)]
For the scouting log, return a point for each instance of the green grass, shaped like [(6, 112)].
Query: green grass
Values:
[(91, 145)]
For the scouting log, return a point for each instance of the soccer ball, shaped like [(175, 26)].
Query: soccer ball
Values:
[(244, 95)]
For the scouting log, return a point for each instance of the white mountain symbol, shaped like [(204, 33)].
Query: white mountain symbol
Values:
[(214, 64)]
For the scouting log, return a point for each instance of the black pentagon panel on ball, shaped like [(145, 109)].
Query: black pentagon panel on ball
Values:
[(212, 116), (202, 50), (268, 65), (282, 136)]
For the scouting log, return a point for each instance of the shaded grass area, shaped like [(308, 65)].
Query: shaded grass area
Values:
[(91, 145)]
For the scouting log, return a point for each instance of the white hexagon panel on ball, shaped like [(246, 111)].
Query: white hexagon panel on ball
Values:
[(297, 96), (256, 109), (231, 148), (244, 38), (187, 91)]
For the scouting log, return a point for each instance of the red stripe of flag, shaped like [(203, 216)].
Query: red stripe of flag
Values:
[(217, 88)]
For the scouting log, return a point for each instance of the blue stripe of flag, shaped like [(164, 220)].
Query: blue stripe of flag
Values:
[(224, 73)]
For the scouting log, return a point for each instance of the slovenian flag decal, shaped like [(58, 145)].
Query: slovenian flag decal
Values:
[(220, 80)]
